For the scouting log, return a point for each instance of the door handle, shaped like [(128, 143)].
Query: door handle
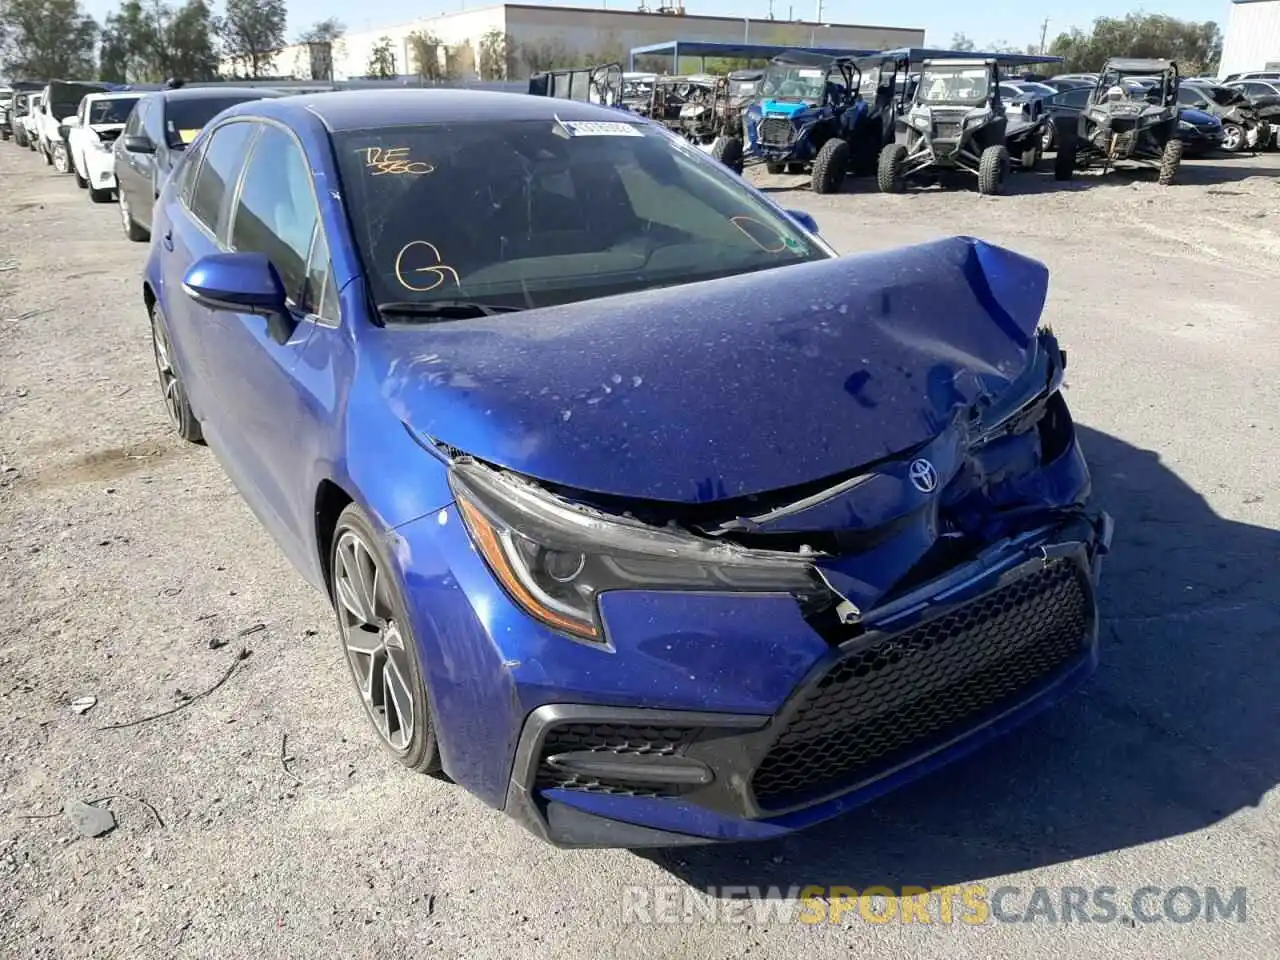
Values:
[(167, 240)]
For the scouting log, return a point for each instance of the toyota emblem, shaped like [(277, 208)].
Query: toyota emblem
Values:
[(924, 476)]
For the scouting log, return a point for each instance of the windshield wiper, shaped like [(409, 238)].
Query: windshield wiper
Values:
[(442, 311)]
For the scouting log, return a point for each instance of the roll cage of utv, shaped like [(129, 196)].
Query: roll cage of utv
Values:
[(1125, 123), (955, 123), (740, 89), (600, 84), (686, 105), (809, 115)]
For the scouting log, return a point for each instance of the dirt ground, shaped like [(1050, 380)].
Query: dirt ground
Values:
[(260, 820)]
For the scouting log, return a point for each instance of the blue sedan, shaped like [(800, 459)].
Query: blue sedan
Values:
[(644, 516)]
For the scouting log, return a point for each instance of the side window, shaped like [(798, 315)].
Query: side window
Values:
[(1188, 97), (153, 123), (216, 179), (188, 171), (134, 124), (277, 212)]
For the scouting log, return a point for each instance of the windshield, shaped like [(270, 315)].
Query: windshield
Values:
[(1042, 89), (115, 110), (959, 85), (741, 89), (185, 116), (786, 82), (536, 213)]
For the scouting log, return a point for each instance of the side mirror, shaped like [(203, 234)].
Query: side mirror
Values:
[(71, 121), (137, 143), (241, 283), (805, 220)]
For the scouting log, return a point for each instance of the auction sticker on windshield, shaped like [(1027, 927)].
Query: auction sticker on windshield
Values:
[(600, 128), (186, 136)]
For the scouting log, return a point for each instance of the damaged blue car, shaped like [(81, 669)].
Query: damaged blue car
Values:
[(643, 515)]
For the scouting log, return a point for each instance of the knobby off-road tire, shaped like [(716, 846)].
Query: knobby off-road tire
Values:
[(728, 150), (830, 166), (889, 170), (992, 169), (1064, 164), (1170, 161)]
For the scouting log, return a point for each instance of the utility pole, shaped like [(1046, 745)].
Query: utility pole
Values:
[(819, 16), (1044, 32)]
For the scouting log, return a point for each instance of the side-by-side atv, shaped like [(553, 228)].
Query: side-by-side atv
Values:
[(956, 124), (1125, 123), (808, 116)]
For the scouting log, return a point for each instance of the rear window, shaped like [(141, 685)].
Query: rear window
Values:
[(185, 117)]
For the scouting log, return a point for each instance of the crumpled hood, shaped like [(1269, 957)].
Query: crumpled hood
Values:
[(729, 387)]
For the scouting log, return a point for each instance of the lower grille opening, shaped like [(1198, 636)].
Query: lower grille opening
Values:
[(620, 740), (888, 701)]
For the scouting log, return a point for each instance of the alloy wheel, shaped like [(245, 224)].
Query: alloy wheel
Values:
[(170, 388), (1231, 137), (373, 642), (60, 159)]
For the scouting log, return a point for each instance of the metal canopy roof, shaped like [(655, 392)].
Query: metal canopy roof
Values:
[(916, 54), (740, 51), (1138, 63)]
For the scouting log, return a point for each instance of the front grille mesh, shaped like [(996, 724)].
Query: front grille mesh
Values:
[(946, 131), (616, 738), (776, 131), (885, 702)]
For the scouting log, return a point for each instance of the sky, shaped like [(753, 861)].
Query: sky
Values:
[(995, 21)]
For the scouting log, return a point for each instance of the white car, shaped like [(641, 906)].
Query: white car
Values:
[(28, 121), (91, 138)]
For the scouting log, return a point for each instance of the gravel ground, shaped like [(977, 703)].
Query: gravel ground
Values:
[(261, 820)]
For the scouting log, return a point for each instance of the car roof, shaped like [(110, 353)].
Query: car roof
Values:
[(346, 110), (215, 93), (115, 95)]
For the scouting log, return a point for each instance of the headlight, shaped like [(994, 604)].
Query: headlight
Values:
[(555, 558), (1183, 125)]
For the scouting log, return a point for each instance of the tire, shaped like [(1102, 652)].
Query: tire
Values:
[(1170, 161), (1031, 159), (992, 168), (132, 229), (100, 196), (172, 391), (889, 170), (1048, 139), (775, 168), (728, 150), (1233, 137), (47, 153), (830, 166), (378, 643), (60, 158), (1064, 164), (81, 182)]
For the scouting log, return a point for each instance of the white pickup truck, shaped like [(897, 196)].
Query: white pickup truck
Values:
[(91, 137), (61, 99)]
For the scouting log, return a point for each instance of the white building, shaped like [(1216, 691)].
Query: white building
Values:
[(1252, 37), (468, 44)]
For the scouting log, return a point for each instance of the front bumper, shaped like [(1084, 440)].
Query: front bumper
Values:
[(930, 677), (100, 168)]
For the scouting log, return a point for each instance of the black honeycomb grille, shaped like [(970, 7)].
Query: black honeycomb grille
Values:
[(886, 701), (616, 738), (777, 131)]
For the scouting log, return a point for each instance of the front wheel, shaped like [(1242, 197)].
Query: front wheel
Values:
[(60, 159), (728, 150), (1233, 137), (132, 229), (47, 153), (1064, 164), (889, 170), (992, 167), (1170, 161), (830, 166), (181, 418), (1047, 139), (378, 641)]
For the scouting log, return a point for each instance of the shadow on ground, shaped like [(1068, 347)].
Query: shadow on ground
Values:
[(1179, 729)]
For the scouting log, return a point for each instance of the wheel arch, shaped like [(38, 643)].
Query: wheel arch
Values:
[(330, 500)]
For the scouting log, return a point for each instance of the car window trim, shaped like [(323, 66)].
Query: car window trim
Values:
[(319, 319)]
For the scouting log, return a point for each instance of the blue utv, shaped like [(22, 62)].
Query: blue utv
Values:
[(809, 116)]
